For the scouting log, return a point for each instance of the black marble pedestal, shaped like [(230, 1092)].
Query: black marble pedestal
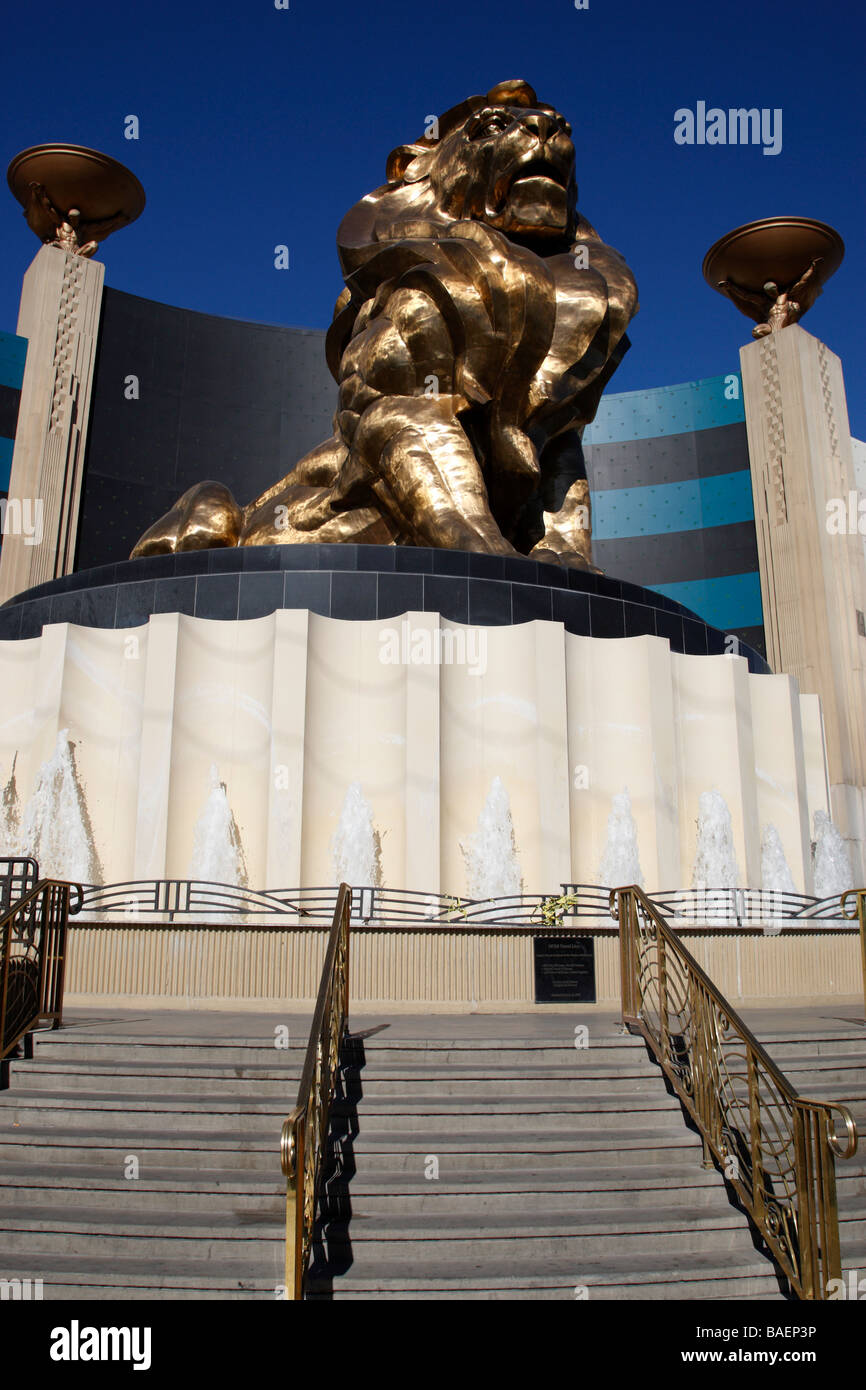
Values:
[(361, 582)]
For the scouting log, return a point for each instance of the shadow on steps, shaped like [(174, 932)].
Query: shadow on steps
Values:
[(331, 1253)]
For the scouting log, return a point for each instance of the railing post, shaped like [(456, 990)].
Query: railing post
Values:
[(755, 1146), (62, 946), (6, 946), (860, 895), (806, 1225), (627, 981), (663, 996), (46, 923), (347, 920), (861, 915), (295, 1213), (831, 1253), (703, 1091)]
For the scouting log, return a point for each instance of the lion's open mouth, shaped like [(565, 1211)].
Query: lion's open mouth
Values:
[(537, 177)]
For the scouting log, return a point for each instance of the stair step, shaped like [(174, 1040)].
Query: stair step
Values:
[(28, 1232), (615, 1276), (82, 1278), (248, 1115)]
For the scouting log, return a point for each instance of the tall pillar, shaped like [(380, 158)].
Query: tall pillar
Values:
[(813, 573), (422, 772), (157, 731), (59, 317), (288, 728)]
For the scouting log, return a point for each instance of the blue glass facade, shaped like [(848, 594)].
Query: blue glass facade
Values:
[(672, 499), (13, 352)]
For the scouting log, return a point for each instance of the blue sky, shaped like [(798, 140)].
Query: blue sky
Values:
[(261, 126)]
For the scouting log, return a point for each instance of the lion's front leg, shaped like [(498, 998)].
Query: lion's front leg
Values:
[(423, 471), (567, 538), (399, 416)]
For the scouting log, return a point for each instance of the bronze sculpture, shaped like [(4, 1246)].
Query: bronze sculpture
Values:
[(66, 230), (74, 197), (481, 318), (775, 269), (771, 309)]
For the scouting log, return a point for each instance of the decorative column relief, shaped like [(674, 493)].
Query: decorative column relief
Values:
[(59, 317), (774, 423)]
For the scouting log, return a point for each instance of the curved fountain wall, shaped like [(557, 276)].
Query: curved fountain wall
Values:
[(294, 708)]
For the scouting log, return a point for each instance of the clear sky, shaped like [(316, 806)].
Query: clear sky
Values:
[(260, 126)]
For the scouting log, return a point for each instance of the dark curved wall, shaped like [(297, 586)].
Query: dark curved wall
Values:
[(218, 398)]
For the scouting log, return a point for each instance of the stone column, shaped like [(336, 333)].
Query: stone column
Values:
[(813, 572), (288, 728), (422, 863), (59, 316), (157, 734)]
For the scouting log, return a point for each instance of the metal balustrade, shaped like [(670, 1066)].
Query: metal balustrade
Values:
[(776, 1147)]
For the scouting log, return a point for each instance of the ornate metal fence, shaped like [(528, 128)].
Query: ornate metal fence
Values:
[(777, 1148), (140, 900), (305, 1131), (32, 964), (728, 907)]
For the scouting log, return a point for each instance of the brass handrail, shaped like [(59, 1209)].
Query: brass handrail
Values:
[(33, 934), (776, 1147), (860, 913), (303, 1141)]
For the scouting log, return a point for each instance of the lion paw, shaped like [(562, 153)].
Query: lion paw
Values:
[(207, 515)]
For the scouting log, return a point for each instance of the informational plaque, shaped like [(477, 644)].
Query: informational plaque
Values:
[(564, 969)]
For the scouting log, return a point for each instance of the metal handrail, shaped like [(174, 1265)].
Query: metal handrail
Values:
[(859, 914), (303, 1142), (776, 1147), (33, 934)]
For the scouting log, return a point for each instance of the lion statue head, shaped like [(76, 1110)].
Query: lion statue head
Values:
[(505, 159)]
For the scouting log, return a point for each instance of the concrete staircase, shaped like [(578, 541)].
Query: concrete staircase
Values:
[(198, 1100), (491, 1158), (474, 1157)]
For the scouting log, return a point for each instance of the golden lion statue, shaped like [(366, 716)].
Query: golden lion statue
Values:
[(481, 318)]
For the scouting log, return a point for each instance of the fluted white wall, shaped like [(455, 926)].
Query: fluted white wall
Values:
[(294, 708)]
